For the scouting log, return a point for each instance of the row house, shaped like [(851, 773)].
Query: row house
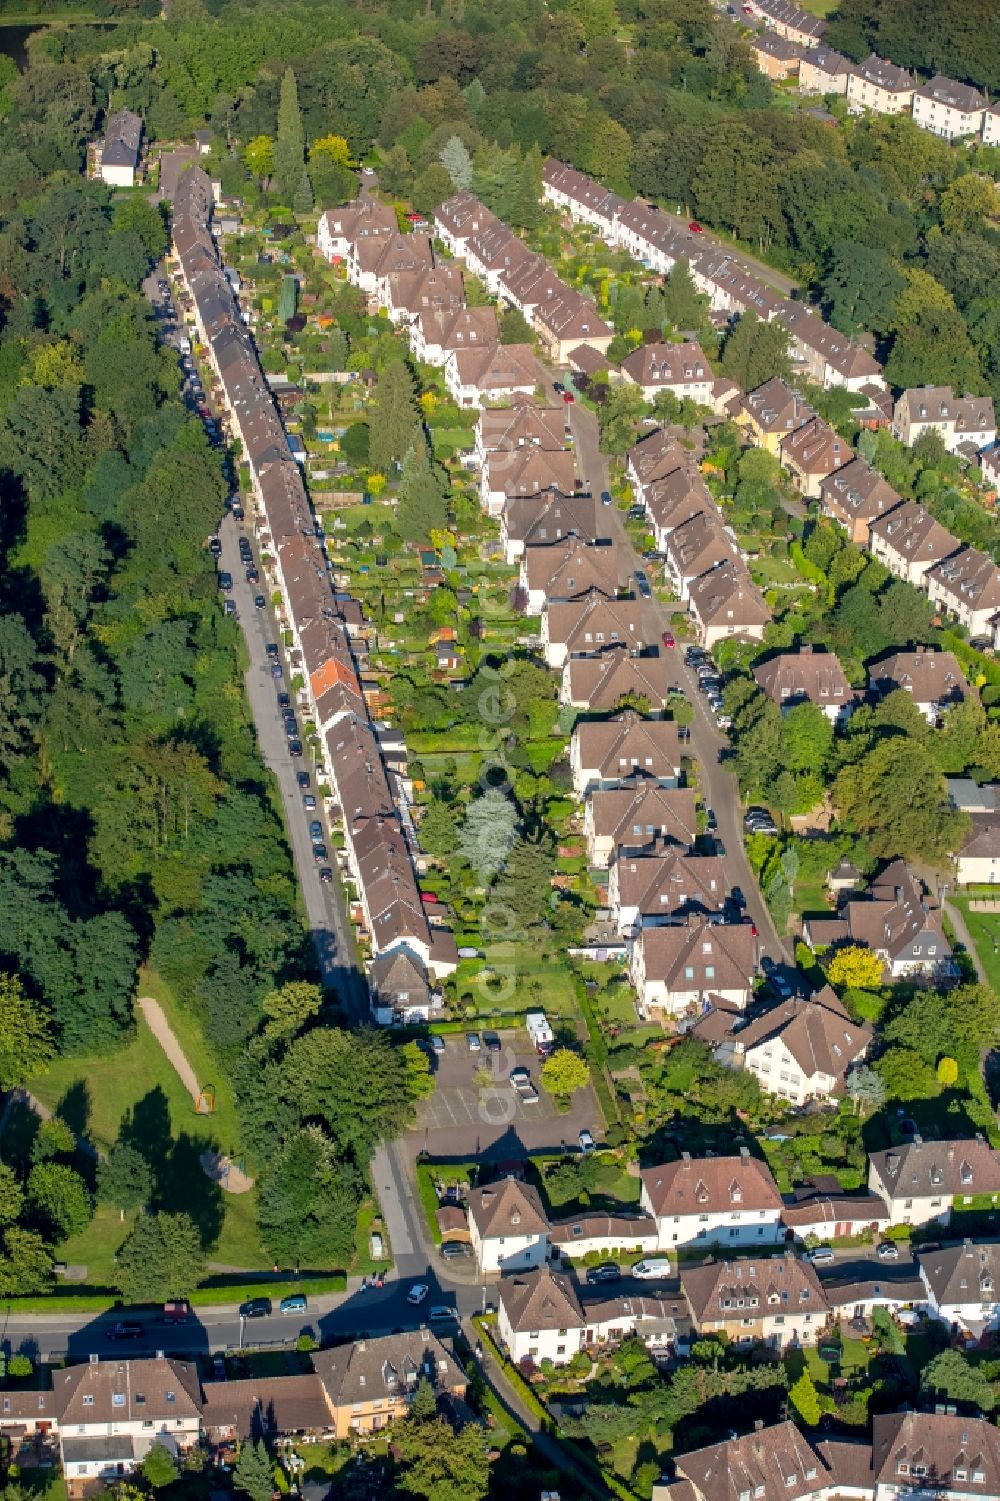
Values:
[(541, 520), (922, 1181), (677, 970), (776, 57), (880, 86), (628, 749), (541, 1316), (776, 1301), (590, 625), (675, 500), (933, 679), (509, 474), (437, 288), (966, 586), (909, 542), (615, 678), (569, 570), (855, 496), (949, 109), (726, 602), (508, 1228), (813, 1209), (822, 354), (807, 677), (669, 886), (496, 372), (340, 228), (771, 412), (120, 149), (724, 1201), (579, 196), (812, 453), (629, 819), (823, 71), (370, 1383), (524, 424), (460, 219), (681, 369), (963, 1286), (694, 548), (655, 456), (789, 21), (436, 333), (964, 423), (802, 1049), (896, 920)]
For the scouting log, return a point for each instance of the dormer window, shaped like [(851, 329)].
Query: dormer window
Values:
[(118, 1399)]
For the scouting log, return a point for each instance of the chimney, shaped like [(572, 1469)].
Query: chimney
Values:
[(758, 1425), (685, 1157), (95, 1360), (744, 1155), (805, 649)]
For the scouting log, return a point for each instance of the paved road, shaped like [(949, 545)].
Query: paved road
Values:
[(708, 742)]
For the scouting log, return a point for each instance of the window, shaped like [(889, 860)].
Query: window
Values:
[(709, 971), (979, 1476), (88, 1401), (688, 972), (171, 1396), (118, 1399), (959, 1474)]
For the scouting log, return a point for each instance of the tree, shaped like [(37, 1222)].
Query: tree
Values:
[(21, 1367), (258, 158), (124, 1179), (564, 1072), (423, 491), (53, 1139), (423, 1408), (438, 829), (288, 1009), (934, 348), (289, 147), (303, 200), (11, 1195), (392, 417), (440, 1464), (860, 287), (947, 1072), (159, 1466), (967, 203), (617, 417), (308, 1202), (524, 890), (22, 694), (419, 1076), (959, 1023), (805, 1399), (253, 1472), (514, 327), (683, 305), (951, 1375), (808, 736), (865, 1088), (26, 1046), (897, 797), (487, 834), (856, 967), (455, 159), (162, 1258), (26, 1263), (756, 352), (905, 1075)]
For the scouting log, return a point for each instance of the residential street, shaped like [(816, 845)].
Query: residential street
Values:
[(707, 741)]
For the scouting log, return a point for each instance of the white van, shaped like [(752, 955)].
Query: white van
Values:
[(656, 1267)]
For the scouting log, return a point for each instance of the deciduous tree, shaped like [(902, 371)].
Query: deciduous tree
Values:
[(161, 1258), (856, 967), (124, 1179), (564, 1072), (26, 1045)]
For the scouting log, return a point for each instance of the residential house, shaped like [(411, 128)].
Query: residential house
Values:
[(370, 1383), (604, 1235), (896, 921), (776, 57), (963, 1285), (436, 332), (614, 680), (492, 373), (823, 354), (775, 1463), (340, 228), (541, 1317), (895, 1287), (880, 86), (626, 749), (266, 1408), (694, 548), (856, 495), (921, 1181), (540, 520), (631, 819), (726, 602), (822, 1209), (823, 71), (806, 676), (978, 861), (570, 570), (579, 196), (914, 1452), (120, 149), (509, 473), (524, 424), (590, 625), (400, 990), (677, 498), (811, 453), (933, 679), (373, 259), (949, 109), (459, 219), (965, 424), (770, 413), (681, 369), (565, 322), (910, 542), (967, 587), (710, 1201), (507, 1226), (438, 288), (802, 1049), (776, 1301), (655, 456), (790, 21), (989, 464), (667, 886), (676, 970), (112, 1412)]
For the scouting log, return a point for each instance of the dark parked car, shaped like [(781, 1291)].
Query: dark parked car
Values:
[(259, 601), (319, 854), (255, 1308), (231, 609), (253, 577), (125, 1329), (453, 1250), (225, 582), (284, 701), (325, 874), (271, 650), (643, 584), (295, 747), (491, 1042), (215, 547), (316, 831), (608, 1271), (302, 777)]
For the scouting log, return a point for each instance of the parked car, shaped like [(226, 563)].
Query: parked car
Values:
[(301, 777), (605, 497), (887, 1251), (253, 577), (440, 1314), (474, 1042), (259, 601), (284, 701), (231, 610), (586, 1140), (225, 582), (668, 639), (558, 387), (319, 854), (608, 1271), (437, 1043), (642, 583), (455, 1250), (821, 1256), (177, 1312), (519, 1074), (326, 874), (309, 802), (568, 398), (255, 1308), (271, 650), (695, 228), (316, 831), (647, 1270), (215, 547), (295, 747), (294, 1303), (125, 1329), (491, 1042), (417, 1293)]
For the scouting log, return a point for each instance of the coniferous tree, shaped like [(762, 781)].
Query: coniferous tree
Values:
[(289, 148), (457, 162), (303, 200), (392, 417)]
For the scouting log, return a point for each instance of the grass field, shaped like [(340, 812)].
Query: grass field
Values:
[(984, 930)]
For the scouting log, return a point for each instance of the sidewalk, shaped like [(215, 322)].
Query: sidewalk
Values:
[(964, 937)]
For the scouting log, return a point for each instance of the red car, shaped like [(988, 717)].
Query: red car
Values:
[(668, 639), (695, 227), (568, 397)]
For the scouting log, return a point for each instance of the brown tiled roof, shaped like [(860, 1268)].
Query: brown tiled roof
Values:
[(127, 1391), (667, 364), (276, 1405), (524, 423), (910, 530), (936, 1444), (814, 448), (804, 674), (386, 1367), (970, 578), (594, 622), (773, 1464), (708, 1185), (984, 839), (658, 812), (833, 1209), (859, 490), (733, 1290), (924, 1169), (531, 471), (539, 520), (670, 882), (626, 1230), (727, 949), (932, 677), (571, 568), (818, 1033), (496, 367), (507, 1208), (629, 746), (964, 1274), (885, 74), (776, 408), (540, 1299), (728, 594), (601, 682)]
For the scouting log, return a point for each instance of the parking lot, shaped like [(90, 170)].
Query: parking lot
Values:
[(475, 1110)]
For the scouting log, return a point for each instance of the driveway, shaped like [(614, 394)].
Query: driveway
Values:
[(474, 1111)]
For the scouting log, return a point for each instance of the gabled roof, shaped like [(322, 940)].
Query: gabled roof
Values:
[(932, 677), (776, 408), (385, 1367), (122, 135), (601, 682), (719, 956), (629, 747), (540, 1299), (523, 424), (496, 367), (593, 623), (969, 578), (667, 365), (569, 569), (923, 1169), (936, 1444), (668, 882), (857, 489), (773, 1464), (965, 1274), (960, 96), (127, 1391), (636, 816), (818, 1033), (265, 1406), (730, 1291), (885, 75), (727, 595), (539, 520), (816, 677), (814, 448), (910, 530), (507, 1208)]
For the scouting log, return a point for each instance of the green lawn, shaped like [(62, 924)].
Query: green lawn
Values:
[(541, 984), (984, 930)]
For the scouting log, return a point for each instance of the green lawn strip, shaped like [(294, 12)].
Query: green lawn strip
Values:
[(214, 1291), (596, 1052), (984, 930), (429, 1173), (364, 1263)]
